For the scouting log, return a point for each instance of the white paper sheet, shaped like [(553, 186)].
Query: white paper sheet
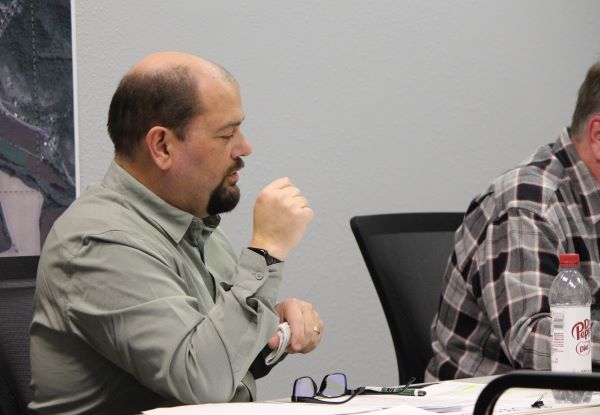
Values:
[(279, 408), (458, 398)]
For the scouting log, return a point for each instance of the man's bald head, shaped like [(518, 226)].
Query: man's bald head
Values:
[(165, 61), (162, 89)]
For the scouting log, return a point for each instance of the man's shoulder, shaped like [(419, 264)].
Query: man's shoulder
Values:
[(96, 206), (532, 185), (98, 211)]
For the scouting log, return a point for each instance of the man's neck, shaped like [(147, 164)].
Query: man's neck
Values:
[(146, 174), (137, 170), (157, 182)]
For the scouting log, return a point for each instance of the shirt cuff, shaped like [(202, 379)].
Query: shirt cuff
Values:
[(255, 279)]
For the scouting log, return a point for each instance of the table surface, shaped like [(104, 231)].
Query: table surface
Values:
[(210, 408)]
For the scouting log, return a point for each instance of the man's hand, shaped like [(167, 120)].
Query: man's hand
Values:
[(305, 324), (281, 215)]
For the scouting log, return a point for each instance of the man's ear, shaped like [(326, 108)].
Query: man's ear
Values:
[(593, 135), (159, 143)]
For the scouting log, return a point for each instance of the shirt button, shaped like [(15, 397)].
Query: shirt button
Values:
[(259, 276)]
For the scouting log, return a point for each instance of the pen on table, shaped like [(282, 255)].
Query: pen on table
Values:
[(400, 390), (412, 392)]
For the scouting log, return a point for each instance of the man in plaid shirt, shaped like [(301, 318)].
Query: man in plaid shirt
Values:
[(494, 314)]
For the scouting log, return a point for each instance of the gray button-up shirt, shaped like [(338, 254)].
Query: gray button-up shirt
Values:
[(139, 304)]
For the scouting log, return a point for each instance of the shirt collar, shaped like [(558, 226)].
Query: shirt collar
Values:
[(200, 229), (173, 221), (584, 182)]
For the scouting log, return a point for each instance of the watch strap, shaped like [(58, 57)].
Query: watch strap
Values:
[(270, 260)]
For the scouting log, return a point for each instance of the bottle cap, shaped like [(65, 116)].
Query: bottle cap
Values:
[(569, 260)]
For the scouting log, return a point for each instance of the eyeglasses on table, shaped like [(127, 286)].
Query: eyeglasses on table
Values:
[(334, 385)]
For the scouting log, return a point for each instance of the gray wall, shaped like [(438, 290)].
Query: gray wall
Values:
[(369, 106)]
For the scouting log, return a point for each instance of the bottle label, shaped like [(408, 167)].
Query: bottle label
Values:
[(571, 339)]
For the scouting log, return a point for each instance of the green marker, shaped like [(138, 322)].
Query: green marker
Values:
[(396, 390)]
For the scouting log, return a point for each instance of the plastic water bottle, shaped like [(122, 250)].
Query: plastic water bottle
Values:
[(570, 301)]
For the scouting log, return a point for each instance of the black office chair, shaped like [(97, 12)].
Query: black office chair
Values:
[(532, 379), (406, 255), (17, 286)]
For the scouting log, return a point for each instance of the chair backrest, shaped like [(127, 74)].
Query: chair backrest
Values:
[(406, 255), (17, 286)]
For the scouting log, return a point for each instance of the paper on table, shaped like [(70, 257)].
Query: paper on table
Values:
[(288, 408), (458, 398)]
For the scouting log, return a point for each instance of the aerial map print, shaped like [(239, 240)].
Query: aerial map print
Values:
[(37, 140)]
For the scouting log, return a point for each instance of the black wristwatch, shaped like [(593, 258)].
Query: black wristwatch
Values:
[(270, 260)]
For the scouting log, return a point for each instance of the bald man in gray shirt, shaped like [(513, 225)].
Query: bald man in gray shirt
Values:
[(140, 299)]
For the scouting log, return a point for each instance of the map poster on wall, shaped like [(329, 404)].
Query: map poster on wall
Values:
[(37, 134)]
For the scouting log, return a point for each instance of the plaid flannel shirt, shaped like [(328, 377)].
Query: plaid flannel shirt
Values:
[(494, 314)]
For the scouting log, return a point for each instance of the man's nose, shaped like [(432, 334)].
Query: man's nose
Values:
[(244, 148)]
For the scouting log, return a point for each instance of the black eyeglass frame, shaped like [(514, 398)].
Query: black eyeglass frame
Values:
[(319, 391)]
